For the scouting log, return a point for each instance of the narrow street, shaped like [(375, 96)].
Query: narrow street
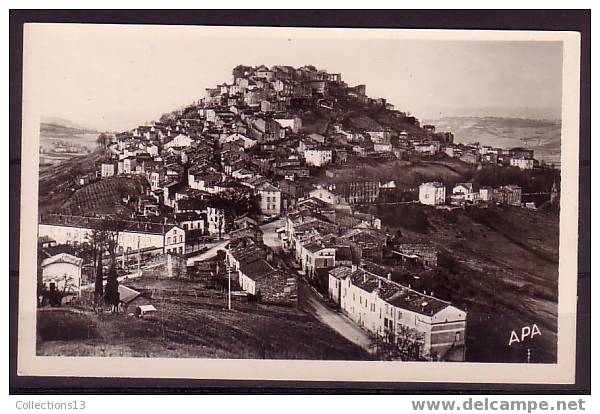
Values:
[(310, 302), (270, 236)]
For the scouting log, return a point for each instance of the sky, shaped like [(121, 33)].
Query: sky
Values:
[(111, 77)]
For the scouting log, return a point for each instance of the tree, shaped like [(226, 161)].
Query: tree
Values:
[(405, 345), (221, 224), (111, 294), (97, 240), (99, 286), (112, 229), (103, 140), (104, 237)]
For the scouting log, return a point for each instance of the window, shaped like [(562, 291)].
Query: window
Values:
[(168, 240)]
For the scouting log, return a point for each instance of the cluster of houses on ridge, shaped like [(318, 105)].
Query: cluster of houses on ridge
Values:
[(434, 194), (241, 154)]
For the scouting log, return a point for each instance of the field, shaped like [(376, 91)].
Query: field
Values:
[(59, 193), (104, 196), (500, 264), (193, 326)]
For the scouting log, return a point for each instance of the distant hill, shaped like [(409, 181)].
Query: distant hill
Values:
[(61, 131), (53, 122), (539, 134), (58, 130)]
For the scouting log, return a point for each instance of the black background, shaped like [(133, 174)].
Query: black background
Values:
[(569, 20)]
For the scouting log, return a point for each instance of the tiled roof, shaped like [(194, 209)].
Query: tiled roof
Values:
[(316, 246), (256, 269), (63, 258), (248, 254), (126, 294), (340, 272), (397, 295), (95, 222)]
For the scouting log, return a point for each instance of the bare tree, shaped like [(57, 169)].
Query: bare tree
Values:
[(103, 140), (405, 344)]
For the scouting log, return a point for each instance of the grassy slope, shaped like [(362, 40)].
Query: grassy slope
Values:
[(201, 327), (57, 181), (104, 196), (499, 264)]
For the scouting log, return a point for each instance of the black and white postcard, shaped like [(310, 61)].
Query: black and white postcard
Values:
[(299, 204)]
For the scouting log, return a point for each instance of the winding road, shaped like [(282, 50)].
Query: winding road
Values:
[(310, 302)]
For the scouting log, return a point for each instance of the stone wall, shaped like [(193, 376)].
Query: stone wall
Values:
[(166, 266), (278, 288)]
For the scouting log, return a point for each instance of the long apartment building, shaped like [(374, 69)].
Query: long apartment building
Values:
[(397, 313), (132, 235)]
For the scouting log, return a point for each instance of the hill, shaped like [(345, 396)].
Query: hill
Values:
[(361, 116), (57, 181), (499, 263), (543, 136), (53, 130), (65, 123), (104, 197), (59, 191), (56, 132)]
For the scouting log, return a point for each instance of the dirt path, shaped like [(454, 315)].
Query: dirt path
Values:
[(309, 301)]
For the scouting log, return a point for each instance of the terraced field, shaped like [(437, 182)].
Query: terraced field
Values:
[(104, 196)]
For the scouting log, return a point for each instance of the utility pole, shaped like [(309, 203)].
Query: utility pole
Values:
[(138, 257), (229, 286)]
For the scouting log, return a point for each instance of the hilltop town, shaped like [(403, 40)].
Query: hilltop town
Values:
[(288, 191)]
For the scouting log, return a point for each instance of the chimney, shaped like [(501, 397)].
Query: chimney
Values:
[(354, 267), (364, 277), (389, 276), (380, 283)]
